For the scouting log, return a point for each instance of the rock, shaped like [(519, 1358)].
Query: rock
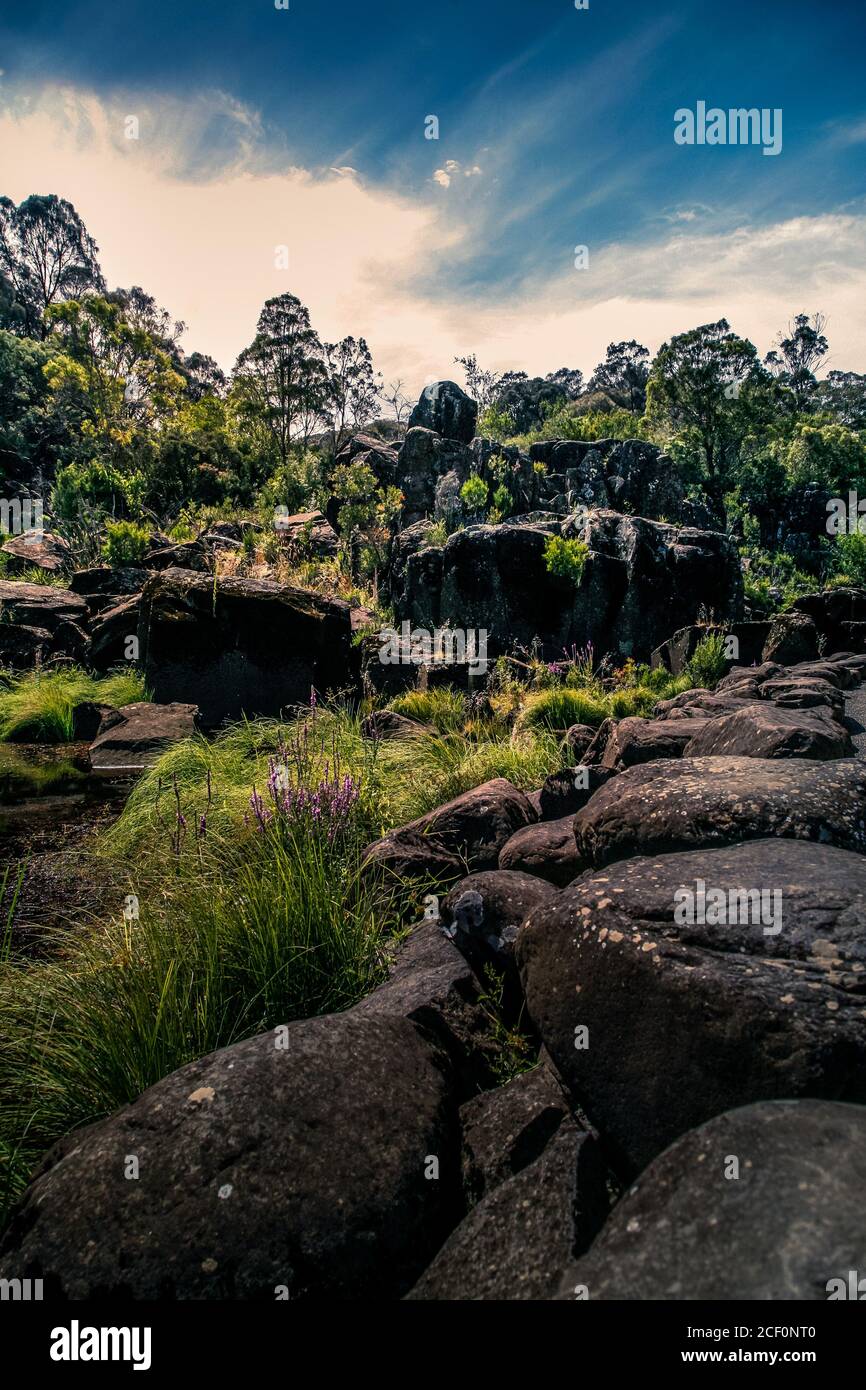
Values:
[(136, 740), (447, 410), (414, 854), (700, 705), (547, 850), (838, 614), (749, 675), (677, 652), (432, 984), (517, 1242), (566, 791), (294, 1160), (103, 586), (767, 730), (188, 555), (578, 738), (36, 549), (688, 1019), (308, 533), (506, 1129), (637, 578), (694, 802), (91, 718), (628, 742), (41, 605), (111, 632), (473, 828), (792, 637), (23, 647), (241, 646), (806, 692), (789, 1223), (425, 459), (836, 672), (484, 912)]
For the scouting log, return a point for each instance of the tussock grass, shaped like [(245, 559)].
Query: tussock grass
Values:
[(39, 705)]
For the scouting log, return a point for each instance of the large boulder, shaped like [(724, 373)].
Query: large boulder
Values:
[(299, 1164), (425, 460), (703, 802), (111, 631), (687, 1017), (41, 605), (138, 734), (676, 653), (640, 579), (839, 616), (472, 829), (768, 730), (447, 410), (792, 637), (628, 742), (764, 1203), (241, 646)]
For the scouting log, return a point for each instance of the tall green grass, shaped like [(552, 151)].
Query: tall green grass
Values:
[(40, 705)]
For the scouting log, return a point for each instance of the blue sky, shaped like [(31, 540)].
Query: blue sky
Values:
[(556, 129)]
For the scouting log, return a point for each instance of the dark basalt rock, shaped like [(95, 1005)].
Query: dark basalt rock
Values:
[(446, 409), (687, 1019)]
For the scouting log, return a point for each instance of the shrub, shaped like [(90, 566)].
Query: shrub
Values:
[(709, 662), (444, 708), (851, 558), (560, 708), (126, 543), (566, 558), (474, 493)]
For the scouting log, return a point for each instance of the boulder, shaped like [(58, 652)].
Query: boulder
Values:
[(783, 1227), (483, 913), (686, 1017), (292, 1161), (447, 410), (578, 738), (676, 653), (749, 675), (792, 637), (838, 614), (135, 740), (506, 1129), (693, 802), (566, 791), (111, 631), (471, 828), (516, 1243), (241, 646), (804, 692), (308, 533), (426, 459), (628, 742), (546, 850), (36, 549), (23, 647), (768, 730)]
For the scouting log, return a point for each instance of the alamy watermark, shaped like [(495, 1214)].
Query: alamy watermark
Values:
[(729, 907), (738, 126), (22, 517), (420, 646), (846, 518)]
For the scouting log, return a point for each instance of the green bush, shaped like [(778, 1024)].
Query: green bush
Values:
[(474, 493), (709, 662), (851, 558), (566, 558), (126, 543)]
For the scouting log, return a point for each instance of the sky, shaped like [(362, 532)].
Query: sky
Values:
[(286, 149)]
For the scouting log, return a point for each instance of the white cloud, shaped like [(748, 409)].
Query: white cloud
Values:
[(364, 259)]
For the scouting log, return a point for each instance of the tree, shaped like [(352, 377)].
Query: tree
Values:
[(113, 377), (795, 358), (480, 384), (843, 394), (28, 430), (709, 384), (623, 375), (353, 388), (394, 396), (46, 256), (279, 377), (526, 400), (202, 375)]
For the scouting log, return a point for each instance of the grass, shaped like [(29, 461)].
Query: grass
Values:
[(444, 709), (39, 706)]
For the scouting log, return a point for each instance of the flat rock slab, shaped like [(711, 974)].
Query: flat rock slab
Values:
[(687, 1019), (143, 731), (689, 802), (292, 1160), (41, 605), (767, 730), (791, 1225), (40, 550)]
